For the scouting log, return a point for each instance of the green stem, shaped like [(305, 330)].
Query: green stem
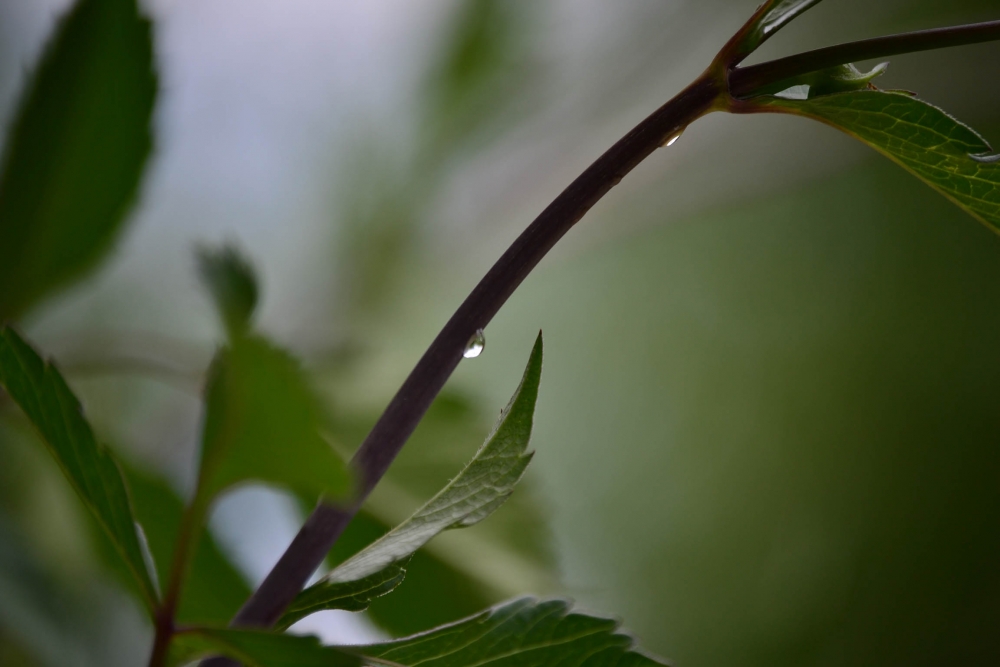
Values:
[(166, 615), (743, 81)]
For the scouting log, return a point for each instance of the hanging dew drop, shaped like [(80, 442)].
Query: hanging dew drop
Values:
[(672, 139), (475, 345)]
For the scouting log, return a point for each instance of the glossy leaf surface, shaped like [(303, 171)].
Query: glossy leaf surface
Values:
[(263, 424), (524, 632), (38, 388), (920, 137), (76, 151)]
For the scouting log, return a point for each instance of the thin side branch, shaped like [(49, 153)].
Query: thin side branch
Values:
[(744, 80)]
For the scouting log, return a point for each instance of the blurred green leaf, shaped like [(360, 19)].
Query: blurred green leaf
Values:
[(40, 391), (770, 17), (33, 610), (524, 632), (76, 152), (346, 595), (213, 590), (478, 490), (230, 279), (263, 424), (918, 136), (258, 648)]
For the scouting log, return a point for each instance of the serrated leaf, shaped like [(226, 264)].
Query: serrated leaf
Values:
[(76, 150), (38, 388), (258, 648), (263, 424), (769, 18), (923, 139), (478, 490), (840, 79), (524, 632), (213, 590), (343, 595), (230, 279)]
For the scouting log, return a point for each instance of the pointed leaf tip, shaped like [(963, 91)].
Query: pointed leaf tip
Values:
[(479, 489), (230, 279)]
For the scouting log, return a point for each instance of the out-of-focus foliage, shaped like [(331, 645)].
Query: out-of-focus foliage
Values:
[(258, 648), (75, 153), (230, 280)]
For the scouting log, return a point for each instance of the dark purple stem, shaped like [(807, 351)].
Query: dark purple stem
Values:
[(325, 525)]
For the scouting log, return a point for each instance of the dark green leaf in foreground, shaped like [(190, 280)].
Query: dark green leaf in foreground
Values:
[(263, 424), (258, 648), (770, 17), (214, 589), (230, 280), (483, 486), (39, 389), (525, 633), (76, 151), (346, 595), (921, 138)]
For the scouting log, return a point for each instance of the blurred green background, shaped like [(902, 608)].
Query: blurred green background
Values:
[(767, 431)]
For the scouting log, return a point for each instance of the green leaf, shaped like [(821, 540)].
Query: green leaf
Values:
[(213, 590), (345, 595), (769, 18), (40, 391), (524, 632), (263, 424), (923, 139), (840, 79), (478, 490), (258, 648), (76, 151), (230, 280)]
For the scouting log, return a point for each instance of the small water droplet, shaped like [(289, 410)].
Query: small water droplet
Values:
[(672, 139), (475, 345)]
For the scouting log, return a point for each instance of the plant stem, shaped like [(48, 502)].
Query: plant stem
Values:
[(744, 80), (376, 453), (414, 397), (165, 615)]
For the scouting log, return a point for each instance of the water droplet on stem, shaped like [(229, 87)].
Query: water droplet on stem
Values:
[(672, 139), (475, 345)]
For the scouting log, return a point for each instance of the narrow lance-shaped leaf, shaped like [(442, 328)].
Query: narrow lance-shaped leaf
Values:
[(39, 389), (944, 153), (769, 18), (76, 151), (526, 633), (483, 486), (259, 648)]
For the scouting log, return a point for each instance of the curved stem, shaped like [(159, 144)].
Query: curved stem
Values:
[(744, 80), (414, 397), (708, 93)]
